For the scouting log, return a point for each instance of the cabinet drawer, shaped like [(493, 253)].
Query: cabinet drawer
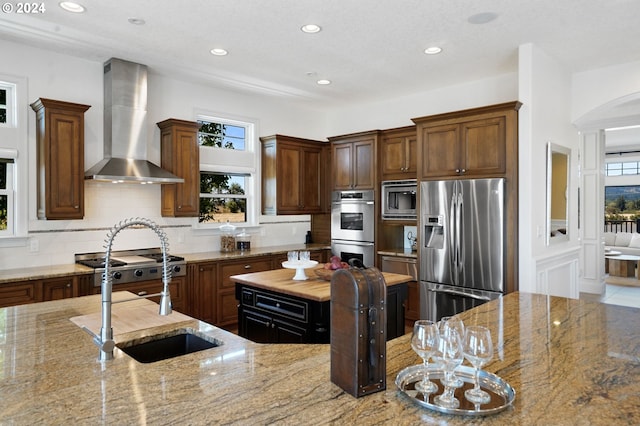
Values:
[(228, 269), (282, 306)]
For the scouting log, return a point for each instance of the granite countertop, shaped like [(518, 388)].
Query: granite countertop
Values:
[(315, 288), (258, 251), (570, 362), (45, 272)]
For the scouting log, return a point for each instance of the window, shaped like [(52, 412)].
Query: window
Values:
[(7, 104), (3, 105), (227, 171), (13, 167), (6, 197), (620, 169), (222, 198)]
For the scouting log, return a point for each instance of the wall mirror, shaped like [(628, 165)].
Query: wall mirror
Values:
[(558, 165)]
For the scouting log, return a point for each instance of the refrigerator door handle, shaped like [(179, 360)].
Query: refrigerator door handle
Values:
[(462, 293), (453, 237), (459, 240)]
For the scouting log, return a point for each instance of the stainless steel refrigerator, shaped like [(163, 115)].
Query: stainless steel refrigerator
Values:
[(462, 252)]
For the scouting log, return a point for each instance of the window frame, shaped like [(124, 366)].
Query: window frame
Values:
[(14, 145), (9, 192), (11, 103), (222, 160)]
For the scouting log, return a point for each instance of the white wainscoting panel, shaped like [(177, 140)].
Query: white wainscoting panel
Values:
[(557, 274)]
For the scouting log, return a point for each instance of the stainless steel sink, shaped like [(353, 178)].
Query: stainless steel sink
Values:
[(168, 345)]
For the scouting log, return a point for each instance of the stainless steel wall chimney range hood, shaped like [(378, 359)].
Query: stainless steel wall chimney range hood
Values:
[(125, 128)]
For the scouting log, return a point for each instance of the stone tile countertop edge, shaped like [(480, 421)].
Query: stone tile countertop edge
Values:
[(52, 271)]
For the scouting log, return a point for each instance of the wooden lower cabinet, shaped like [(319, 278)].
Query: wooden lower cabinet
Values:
[(33, 291), (270, 317), (59, 288)]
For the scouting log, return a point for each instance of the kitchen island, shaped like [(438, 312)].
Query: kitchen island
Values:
[(570, 362), (275, 308)]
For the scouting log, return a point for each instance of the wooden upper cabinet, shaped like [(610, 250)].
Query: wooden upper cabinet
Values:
[(180, 156), (293, 175), (60, 148), (353, 160), (398, 154), (472, 143)]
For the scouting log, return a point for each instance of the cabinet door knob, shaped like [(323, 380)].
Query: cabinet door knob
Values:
[(457, 170), (76, 207), (464, 171), (247, 266), (68, 285), (273, 325)]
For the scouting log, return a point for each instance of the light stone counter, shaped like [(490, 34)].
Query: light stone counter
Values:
[(52, 271), (570, 361)]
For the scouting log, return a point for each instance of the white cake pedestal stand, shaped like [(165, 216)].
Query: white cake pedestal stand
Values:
[(300, 266)]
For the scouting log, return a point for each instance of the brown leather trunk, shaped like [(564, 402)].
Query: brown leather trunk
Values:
[(359, 331)]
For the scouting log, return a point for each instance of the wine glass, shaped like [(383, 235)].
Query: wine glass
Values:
[(450, 355), (424, 341), (478, 350), (455, 323)]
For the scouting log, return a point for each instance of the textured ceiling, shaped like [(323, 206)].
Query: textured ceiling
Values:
[(370, 50)]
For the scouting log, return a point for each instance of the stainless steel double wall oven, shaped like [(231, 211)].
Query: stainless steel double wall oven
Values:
[(352, 225)]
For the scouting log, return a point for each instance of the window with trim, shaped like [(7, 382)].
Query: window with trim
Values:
[(226, 172), (8, 154)]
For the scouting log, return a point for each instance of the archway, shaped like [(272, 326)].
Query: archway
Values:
[(620, 112)]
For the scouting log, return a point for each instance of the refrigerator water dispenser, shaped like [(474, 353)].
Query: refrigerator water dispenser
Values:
[(433, 232)]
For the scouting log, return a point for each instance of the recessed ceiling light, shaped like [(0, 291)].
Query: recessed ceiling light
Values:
[(136, 21), (72, 7), (482, 18), (433, 50), (323, 82), (310, 28), (219, 52)]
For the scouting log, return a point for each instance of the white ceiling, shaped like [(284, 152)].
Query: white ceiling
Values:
[(369, 49)]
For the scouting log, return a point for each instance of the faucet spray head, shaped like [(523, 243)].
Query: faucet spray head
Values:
[(165, 303)]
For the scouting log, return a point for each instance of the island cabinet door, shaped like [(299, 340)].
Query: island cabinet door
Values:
[(255, 327), (264, 328)]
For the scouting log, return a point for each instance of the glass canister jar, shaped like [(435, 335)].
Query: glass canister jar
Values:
[(228, 238), (243, 241)]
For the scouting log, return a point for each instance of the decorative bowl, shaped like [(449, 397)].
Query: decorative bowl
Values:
[(323, 273)]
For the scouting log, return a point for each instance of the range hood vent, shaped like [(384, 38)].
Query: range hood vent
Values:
[(125, 128)]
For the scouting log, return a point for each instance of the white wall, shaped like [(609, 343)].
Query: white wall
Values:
[(56, 76), (544, 89), (398, 112)]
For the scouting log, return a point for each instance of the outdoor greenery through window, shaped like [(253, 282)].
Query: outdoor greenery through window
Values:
[(221, 135), (223, 196), (4, 196)]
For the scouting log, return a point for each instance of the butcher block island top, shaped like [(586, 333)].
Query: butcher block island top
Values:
[(569, 361), (315, 288)]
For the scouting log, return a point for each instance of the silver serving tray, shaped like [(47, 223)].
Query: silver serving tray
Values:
[(502, 394)]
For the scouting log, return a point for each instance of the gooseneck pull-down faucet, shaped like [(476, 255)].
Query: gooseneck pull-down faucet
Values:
[(105, 341)]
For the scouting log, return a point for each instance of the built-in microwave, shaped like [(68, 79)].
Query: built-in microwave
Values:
[(399, 199)]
